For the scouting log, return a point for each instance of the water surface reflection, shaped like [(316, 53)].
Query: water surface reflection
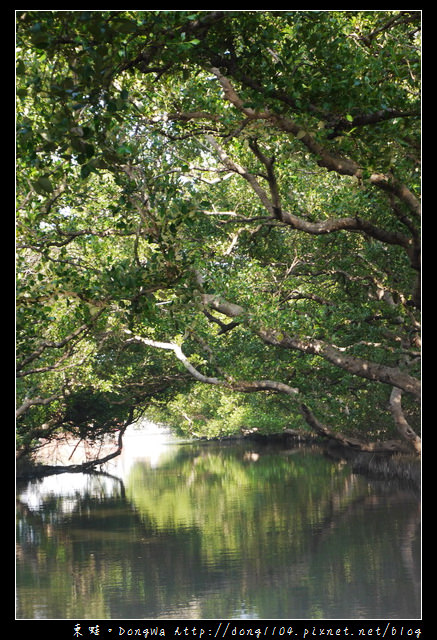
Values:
[(219, 532)]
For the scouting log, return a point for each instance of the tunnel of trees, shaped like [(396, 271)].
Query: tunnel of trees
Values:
[(218, 224)]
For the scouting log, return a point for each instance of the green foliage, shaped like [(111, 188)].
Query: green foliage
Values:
[(91, 414), (214, 413), (143, 183)]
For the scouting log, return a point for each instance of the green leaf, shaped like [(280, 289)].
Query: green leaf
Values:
[(85, 171), (40, 39), (45, 184), (123, 150), (21, 68)]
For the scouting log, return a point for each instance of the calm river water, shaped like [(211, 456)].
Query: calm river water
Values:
[(193, 531)]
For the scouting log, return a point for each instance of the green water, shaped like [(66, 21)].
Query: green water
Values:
[(228, 532)]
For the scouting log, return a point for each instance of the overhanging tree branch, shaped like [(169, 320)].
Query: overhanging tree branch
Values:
[(241, 386), (331, 225), (354, 365), (326, 158), (118, 212), (277, 387), (348, 441)]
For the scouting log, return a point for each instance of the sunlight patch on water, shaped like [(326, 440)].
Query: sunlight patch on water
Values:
[(145, 441)]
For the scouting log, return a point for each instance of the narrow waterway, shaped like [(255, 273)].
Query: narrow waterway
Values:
[(234, 531)]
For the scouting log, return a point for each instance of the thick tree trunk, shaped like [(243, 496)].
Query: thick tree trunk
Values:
[(401, 422)]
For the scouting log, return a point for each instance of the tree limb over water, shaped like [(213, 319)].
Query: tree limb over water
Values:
[(312, 421), (246, 181)]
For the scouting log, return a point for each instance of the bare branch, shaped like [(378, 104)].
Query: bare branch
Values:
[(242, 386), (237, 168), (392, 185), (346, 440)]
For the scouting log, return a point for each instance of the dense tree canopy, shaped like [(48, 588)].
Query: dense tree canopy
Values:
[(217, 203)]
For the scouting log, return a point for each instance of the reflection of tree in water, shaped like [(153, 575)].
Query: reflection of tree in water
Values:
[(211, 529), (309, 501), (354, 540)]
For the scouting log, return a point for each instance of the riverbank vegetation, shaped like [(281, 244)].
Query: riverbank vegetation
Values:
[(218, 224)]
